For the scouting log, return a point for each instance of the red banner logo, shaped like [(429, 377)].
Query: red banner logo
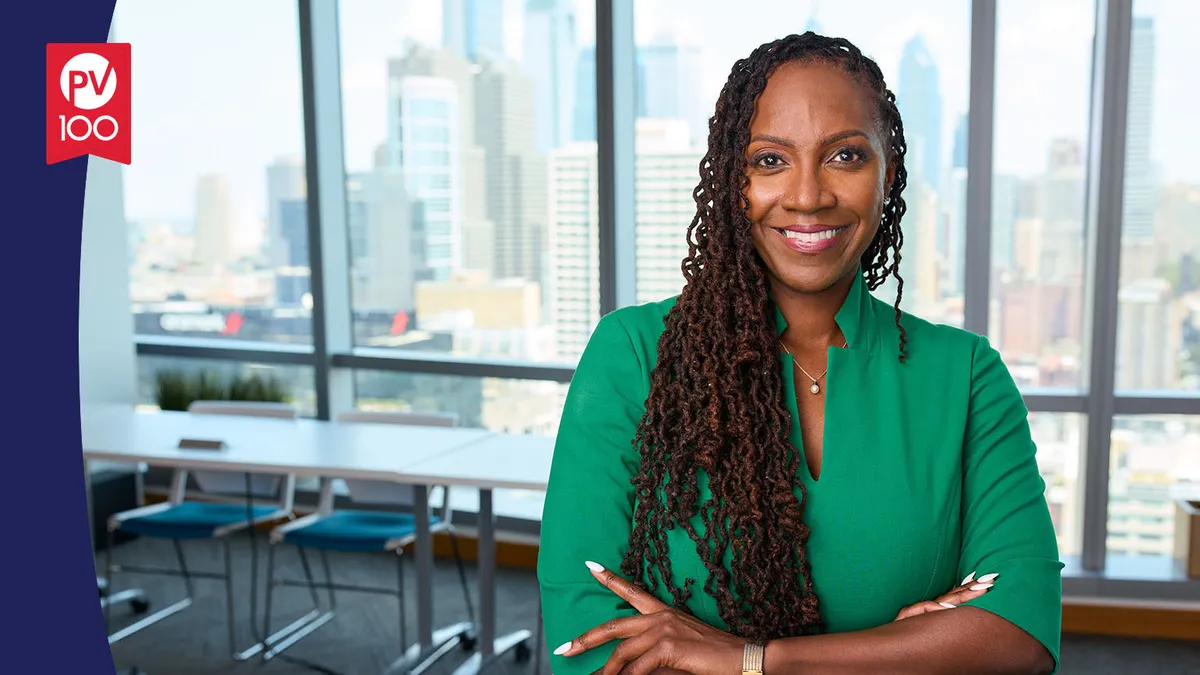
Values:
[(87, 101)]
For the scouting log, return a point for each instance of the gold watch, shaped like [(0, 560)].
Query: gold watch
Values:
[(752, 659)]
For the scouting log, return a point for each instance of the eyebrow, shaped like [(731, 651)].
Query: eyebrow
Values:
[(832, 138)]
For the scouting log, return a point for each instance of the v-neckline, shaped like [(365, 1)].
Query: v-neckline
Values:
[(793, 406)]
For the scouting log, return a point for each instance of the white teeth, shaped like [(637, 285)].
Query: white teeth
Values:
[(812, 237)]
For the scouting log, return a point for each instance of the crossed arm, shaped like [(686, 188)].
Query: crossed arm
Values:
[(1006, 529), (924, 638)]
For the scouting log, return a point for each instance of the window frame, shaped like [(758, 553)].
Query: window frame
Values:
[(334, 358)]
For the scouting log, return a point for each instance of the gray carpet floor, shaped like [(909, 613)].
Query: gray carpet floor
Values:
[(364, 636)]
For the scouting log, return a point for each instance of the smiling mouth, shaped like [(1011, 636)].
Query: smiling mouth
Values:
[(812, 237)]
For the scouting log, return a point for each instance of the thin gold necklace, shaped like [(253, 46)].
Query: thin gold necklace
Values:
[(815, 388)]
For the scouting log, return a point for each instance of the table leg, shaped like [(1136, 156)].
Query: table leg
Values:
[(487, 575), (490, 647), (424, 568), (431, 644)]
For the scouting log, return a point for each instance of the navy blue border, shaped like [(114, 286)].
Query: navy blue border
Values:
[(49, 584)]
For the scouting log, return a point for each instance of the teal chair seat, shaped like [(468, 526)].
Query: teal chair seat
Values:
[(191, 520), (350, 530)]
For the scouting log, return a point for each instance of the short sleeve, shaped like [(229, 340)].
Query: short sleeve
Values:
[(1007, 528), (589, 501)]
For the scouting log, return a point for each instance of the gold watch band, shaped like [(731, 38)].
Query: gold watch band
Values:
[(752, 659)]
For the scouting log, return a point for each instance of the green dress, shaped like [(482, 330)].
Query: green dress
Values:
[(928, 474)]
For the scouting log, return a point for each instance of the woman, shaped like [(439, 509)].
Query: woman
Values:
[(692, 523)]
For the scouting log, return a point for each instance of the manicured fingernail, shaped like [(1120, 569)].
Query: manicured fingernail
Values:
[(563, 649), (988, 577), (981, 587), (947, 605), (595, 567), (969, 579)]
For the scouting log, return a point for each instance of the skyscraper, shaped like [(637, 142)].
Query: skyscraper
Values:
[(214, 221), (1062, 212), (381, 229), (551, 58), (667, 172), (1138, 225), (285, 182), (1147, 337), (574, 246), (919, 98), (425, 142), (473, 29), (584, 126), (514, 173), (672, 86)]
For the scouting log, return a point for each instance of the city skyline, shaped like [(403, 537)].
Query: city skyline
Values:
[(1060, 30), (473, 222)]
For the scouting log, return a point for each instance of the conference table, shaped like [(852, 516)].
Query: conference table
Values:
[(418, 455)]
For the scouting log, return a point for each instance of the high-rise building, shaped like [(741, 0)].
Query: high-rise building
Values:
[(1147, 336), (386, 263), (473, 29), (672, 85), (574, 288), (214, 221), (584, 126), (1004, 220), (1062, 208), (515, 173), (424, 144), (285, 182), (919, 97), (667, 172), (551, 58), (1138, 222)]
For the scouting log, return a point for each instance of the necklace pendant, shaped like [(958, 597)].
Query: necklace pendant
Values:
[(815, 388)]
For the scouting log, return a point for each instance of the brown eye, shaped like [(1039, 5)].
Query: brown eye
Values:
[(768, 161), (850, 156)]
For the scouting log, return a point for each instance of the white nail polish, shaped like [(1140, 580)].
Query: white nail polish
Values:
[(947, 605), (595, 567), (563, 649), (988, 577), (981, 587), (969, 579)]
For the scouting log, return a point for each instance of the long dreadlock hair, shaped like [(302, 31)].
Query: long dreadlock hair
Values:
[(716, 395)]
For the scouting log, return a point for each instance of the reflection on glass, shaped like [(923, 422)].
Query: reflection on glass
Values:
[(1158, 329), (500, 405), (459, 124), (297, 382), (215, 197), (1038, 189), (1059, 443), (682, 65), (1155, 462)]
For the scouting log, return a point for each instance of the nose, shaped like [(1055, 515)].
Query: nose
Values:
[(807, 190)]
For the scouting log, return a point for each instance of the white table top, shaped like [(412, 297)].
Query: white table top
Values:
[(499, 461), (303, 447)]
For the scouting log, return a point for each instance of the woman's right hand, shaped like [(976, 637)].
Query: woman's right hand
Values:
[(969, 589)]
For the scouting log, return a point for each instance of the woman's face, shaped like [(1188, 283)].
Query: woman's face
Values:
[(818, 169)]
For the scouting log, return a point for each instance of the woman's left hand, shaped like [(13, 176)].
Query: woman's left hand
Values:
[(660, 637)]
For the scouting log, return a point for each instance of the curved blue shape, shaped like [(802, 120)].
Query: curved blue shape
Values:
[(50, 573)]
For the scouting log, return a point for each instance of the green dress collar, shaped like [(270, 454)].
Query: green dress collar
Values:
[(856, 318)]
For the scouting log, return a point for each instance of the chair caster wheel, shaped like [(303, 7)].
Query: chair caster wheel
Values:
[(139, 605), (523, 653), (467, 642)]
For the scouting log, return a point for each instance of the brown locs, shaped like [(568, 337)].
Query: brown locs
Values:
[(716, 395)]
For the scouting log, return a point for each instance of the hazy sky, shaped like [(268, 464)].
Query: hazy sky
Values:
[(216, 83)]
